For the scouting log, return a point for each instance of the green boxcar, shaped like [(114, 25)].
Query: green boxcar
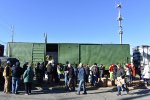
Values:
[(104, 54), (38, 53), (26, 52), (21, 51), (74, 53), (68, 52)]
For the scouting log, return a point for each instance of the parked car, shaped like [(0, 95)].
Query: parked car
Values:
[(4, 60)]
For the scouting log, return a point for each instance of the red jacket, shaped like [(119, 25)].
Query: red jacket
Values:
[(133, 70), (111, 68)]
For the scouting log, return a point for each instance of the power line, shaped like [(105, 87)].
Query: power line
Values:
[(5, 22), (3, 27), (6, 26), (3, 42)]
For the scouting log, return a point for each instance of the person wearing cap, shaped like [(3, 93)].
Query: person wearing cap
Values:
[(7, 75)]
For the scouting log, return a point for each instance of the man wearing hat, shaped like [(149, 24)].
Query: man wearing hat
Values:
[(7, 75)]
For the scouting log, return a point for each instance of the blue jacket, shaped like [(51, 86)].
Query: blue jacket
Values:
[(81, 74), (28, 75)]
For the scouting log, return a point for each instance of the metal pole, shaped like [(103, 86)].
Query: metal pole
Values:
[(12, 28), (120, 38), (45, 42), (119, 19)]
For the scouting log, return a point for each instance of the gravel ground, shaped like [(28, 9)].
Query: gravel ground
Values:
[(58, 93)]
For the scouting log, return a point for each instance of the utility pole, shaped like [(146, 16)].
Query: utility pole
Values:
[(45, 38), (12, 30), (119, 19)]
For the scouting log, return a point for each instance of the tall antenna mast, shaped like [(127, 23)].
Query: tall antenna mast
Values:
[(119, 19), (45, 38), (12, 30)]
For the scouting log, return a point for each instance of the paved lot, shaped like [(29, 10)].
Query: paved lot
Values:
[(141, 93)]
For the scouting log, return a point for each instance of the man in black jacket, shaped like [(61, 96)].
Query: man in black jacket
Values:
[(71, 74), (50, 69), (16, 75)]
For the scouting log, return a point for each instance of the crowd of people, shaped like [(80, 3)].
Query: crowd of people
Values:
[(14, 74), (11, 76), (72, 74), (125, 75)]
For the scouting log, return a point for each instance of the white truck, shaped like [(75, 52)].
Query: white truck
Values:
[(141, 54)]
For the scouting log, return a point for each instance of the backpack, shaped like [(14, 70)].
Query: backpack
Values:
[(50, 69), (95, 70)]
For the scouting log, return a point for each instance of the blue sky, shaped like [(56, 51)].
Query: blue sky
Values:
[(75, 21)]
